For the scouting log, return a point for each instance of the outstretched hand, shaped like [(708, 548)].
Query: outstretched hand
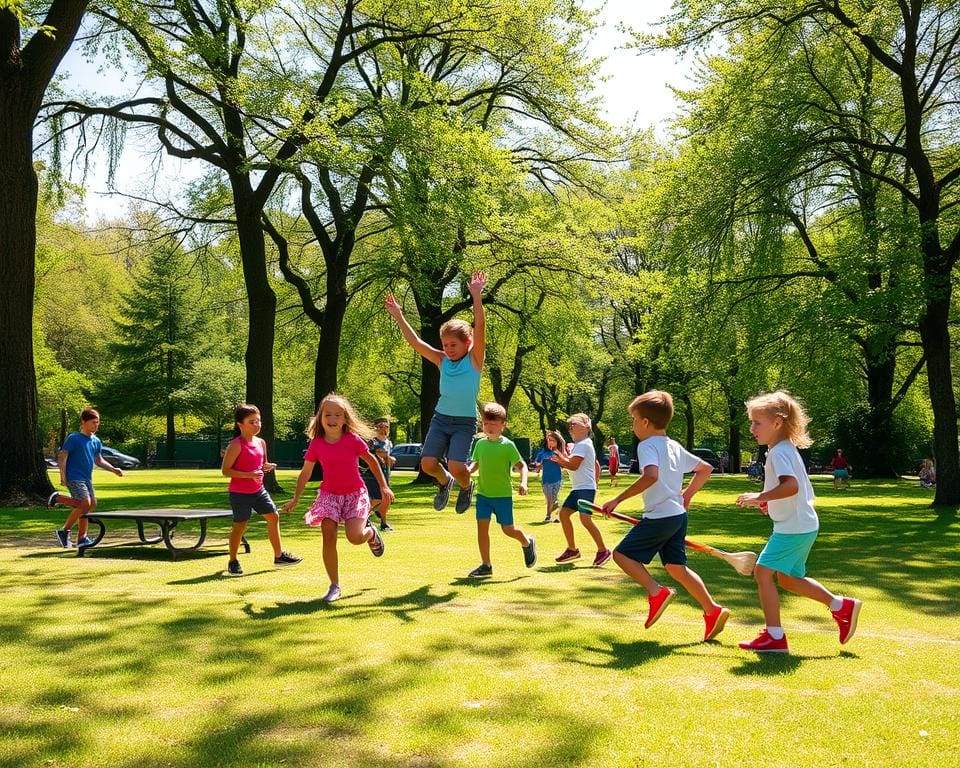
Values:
[(392, 307), (477, 282)]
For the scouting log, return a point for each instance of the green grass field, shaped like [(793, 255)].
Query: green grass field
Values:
[(126, 658)]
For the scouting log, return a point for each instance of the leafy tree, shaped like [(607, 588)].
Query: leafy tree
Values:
[(214, 386), (25, 73)]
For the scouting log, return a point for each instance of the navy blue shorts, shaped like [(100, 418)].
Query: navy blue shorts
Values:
[(373, 487), (662, 536), (244, 504), (449, 436), (586, 494)]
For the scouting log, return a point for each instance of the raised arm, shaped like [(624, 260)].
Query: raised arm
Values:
[(432, 354), (479, 349)]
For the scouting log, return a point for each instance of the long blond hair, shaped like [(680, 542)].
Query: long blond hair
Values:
[(785, 406), (351, 421)]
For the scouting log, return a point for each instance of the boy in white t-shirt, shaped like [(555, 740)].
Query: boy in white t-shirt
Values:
[(582, 463), (663, 529)]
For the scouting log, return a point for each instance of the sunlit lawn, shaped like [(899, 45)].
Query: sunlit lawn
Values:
[(127, 658)]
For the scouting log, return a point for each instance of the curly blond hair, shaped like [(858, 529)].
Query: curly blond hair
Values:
[(781, 404)]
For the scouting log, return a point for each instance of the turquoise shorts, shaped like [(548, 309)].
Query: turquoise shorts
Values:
[(501, 507), (787, 553)]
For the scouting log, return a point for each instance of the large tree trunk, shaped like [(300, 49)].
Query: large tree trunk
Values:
[(24, 76), (331, 331)]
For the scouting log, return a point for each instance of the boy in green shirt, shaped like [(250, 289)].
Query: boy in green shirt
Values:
[(495, 456)]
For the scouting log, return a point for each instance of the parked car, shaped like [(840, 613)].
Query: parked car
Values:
[(121, 460), (407, 455), (708, 456)]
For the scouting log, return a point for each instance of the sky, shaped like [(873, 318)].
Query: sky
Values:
[(635, 91)]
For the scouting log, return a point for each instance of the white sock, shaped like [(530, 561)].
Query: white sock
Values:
[(776, 633), (836, 604)]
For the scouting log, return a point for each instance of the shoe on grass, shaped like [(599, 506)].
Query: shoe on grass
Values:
[(234, 569), (567, 555), (84, 541), (386, 527), (602, 556), (442, 498), (286, 558), (63, 537), (714, 623), (530, 553), (658, 604), (481, 571), (332, 594), (846, 618), (764, 643)]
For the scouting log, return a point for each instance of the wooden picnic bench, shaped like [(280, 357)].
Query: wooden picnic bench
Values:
[(166, 520)]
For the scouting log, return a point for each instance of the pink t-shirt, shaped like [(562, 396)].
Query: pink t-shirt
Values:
[(250, 458), (341, 473)]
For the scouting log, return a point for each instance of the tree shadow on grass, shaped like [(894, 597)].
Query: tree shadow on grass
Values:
[(470, 581), (629, 655), (772, 664), (401, 606)]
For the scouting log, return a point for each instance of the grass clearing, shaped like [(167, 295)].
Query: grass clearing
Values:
[(127, 658)]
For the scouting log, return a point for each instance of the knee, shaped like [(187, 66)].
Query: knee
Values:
[(429, 464), (677, 572), (357, 537), (456, 467)]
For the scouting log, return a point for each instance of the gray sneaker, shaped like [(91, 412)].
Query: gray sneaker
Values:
[(63, 537), (332, 594), (464, 498), (376, 543), (286, 558), (442, 498), (530, 553)]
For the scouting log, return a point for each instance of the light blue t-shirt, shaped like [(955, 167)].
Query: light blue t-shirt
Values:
[(459, 387), (82, 451)]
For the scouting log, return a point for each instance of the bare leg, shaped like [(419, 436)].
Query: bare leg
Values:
[(358, 530), (638, 572), (567, 525), (431, 465), (483, 540), (769, 596), (273, 532), (692, 582), (807, 587), (236, 535), (459, 470), (77, 514), (594, 532), (515, 533), (330, 562)]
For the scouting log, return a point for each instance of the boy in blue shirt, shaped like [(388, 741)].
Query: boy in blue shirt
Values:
[(663, 529), (76, 458), (494, 456)]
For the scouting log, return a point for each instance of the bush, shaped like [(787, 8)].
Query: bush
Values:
[(877, 446)]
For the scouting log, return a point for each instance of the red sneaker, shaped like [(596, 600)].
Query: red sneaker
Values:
[(714, 623), (766, 644), (846, 618), (567, 555), (602, 556), (658, 604)]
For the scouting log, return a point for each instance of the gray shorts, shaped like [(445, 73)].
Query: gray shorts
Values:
[(82, 490), (245, 504), (449, 436)]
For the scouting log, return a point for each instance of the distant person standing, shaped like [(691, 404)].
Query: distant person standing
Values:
[(76, 459), (841, 471), (613, 462), (928, 474), (380, 446)]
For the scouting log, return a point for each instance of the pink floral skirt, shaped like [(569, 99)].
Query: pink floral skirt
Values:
[(338, 507)]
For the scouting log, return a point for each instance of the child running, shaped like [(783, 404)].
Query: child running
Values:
[(454, 422), (778, 421), (494, 457), (76, 458), (584, 472), (245, 462), (380, 446), (551, 475), (337, 439), (662, 530)]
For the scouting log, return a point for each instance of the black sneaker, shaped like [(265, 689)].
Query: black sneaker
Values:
[(385, 527), (234, 569), (286, 558), (530, 553), (464, 498), (52, 501), (63, 537), (481, 571), (376, 543), (442, 498)]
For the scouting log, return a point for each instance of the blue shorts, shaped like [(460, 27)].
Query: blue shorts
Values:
[(244, 504), (449, 436), (662, 536), (787, 553), (840, 474), (82, 490), (586, 494), (501, 507)]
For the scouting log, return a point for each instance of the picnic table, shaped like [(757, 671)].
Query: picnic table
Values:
[(166, 520)]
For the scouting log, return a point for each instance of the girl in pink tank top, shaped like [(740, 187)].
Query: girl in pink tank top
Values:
[(337, 439)]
